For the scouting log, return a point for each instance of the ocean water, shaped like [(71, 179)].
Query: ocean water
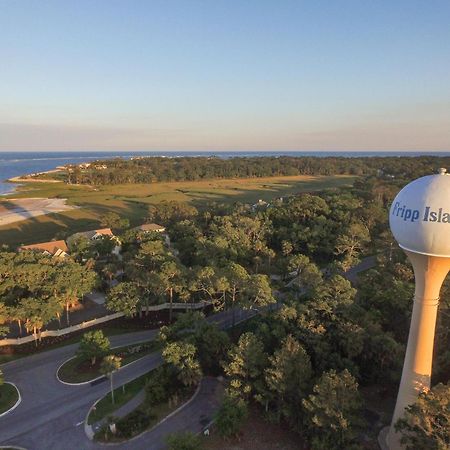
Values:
[(13, 164)]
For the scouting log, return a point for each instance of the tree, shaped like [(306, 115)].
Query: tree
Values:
[(246, 362), (181, 356), (170, 276), (93, 345), (204, 281), (114, 221), (71, 282), (151, 255), (109, 365), (288, 377), (238, 279), (124, 297), (80, 248), (307, 275), (4, 317), (333, 411), (184, 441), (211, 342), (426, 423), (166, 212), (230, 417), (38, 312), (351, 243), (17, 314), (259, 291)]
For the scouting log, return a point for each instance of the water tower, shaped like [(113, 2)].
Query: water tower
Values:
[(420, 222)]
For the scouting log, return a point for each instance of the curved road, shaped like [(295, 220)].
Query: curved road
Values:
[(51, 415)]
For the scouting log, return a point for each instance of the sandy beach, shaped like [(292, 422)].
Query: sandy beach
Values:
[(32, 178), (15, 210)]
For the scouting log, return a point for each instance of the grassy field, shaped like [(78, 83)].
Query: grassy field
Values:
[(132, 201)]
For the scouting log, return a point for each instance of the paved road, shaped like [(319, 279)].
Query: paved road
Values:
[(366, 264), (193, 417), (51, 414)]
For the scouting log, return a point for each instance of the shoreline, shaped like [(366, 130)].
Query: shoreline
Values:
[(28, 178)]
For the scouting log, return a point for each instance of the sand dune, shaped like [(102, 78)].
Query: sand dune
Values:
[(15, 210)]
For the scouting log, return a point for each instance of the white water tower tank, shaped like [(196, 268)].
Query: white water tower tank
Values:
[(420, 215)]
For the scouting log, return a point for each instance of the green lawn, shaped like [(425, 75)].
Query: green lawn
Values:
[(122, 395), (8, 397), (132, 201), (78, 370)]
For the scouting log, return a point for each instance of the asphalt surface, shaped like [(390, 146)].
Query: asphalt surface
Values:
[(51, 415)]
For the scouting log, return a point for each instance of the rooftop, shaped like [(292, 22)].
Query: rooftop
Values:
[(53, 247)]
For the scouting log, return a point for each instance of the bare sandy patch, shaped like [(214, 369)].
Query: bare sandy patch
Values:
[(15, 210)]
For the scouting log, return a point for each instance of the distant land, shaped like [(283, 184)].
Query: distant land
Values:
[(14, 164)]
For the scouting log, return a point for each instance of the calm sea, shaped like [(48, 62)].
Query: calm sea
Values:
[(13, 164)]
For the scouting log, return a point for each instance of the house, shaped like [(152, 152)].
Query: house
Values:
[(260, 204), (57, 249), (93, 235), (150, 227)]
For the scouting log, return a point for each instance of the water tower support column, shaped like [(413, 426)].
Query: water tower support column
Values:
[(429, 272)]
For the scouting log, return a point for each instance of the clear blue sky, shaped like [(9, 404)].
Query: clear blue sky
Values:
[(213, 74)]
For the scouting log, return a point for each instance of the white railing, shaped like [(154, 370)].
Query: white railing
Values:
[(90, 323)]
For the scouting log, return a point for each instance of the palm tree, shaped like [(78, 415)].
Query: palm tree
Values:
[(109, 365)]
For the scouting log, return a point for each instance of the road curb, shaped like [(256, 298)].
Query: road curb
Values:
[(180, 408), (88, 428), (74, 384), (194, 396), (14, 447), (101, 376), (15, 404)]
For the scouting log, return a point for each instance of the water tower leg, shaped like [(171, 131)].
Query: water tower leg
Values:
[(429, 272)]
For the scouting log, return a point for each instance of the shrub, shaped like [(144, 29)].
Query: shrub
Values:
[(161, 385), (184, 441), (231, 416), (134, 423)]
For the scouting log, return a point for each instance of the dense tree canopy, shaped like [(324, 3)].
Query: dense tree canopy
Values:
[(427, 422), (302, 360), (151, 169), (35, 288)]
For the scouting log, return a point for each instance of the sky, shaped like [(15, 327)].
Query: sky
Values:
[(224, 75)]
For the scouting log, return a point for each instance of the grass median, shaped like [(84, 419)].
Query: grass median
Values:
[(171, 394), (8, 397), (80, 370)]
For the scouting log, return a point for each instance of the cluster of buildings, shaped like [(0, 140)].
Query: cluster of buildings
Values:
[(60, 248)]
